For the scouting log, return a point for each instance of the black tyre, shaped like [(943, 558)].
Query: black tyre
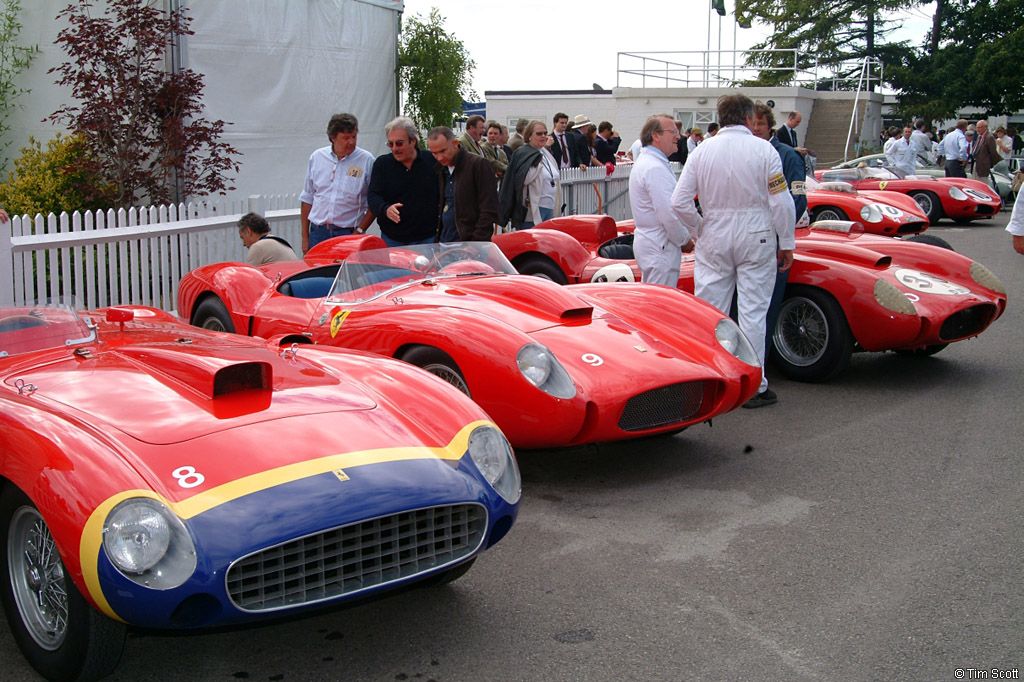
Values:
[(212, 314), (58, 632), (811, 340), (541, 266), (828, 213), (931, 239), (438, 363), (930, 204)]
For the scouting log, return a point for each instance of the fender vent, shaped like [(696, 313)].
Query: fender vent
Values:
[(245, 376)]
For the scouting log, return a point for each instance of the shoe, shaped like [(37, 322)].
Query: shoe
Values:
[(765, 397)]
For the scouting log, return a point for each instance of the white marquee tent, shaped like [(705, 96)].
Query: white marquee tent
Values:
[(275, 69)]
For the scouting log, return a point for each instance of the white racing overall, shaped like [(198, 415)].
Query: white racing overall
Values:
[(659, 236), (746, 205)]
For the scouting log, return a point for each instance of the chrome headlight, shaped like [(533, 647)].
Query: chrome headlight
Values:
[(871, 213), (149, 544), (891, 298), (542, 369), (986, 278), (493, 458), (735, 341), (956, 193)]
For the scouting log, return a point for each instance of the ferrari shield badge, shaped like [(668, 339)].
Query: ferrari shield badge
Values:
[(336, 321)]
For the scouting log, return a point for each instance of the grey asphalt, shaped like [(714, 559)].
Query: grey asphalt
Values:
[(864, 529)]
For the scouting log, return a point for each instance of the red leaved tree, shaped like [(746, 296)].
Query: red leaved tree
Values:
[(143, 123)]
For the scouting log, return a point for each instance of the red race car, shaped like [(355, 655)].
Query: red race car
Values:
[(847, 291), (553, 366), (164, 476), (956, 198), (888, 213)]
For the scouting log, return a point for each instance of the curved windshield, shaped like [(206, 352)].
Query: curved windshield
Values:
[(855, 174), (38, 326), (368, 274), (829, 186)]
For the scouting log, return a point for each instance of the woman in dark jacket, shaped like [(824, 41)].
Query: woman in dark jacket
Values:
[(530, 183)]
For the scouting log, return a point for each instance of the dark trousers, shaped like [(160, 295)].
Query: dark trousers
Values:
[(955, 169)]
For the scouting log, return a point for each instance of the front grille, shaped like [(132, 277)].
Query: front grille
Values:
[(662, 406), (984, 209), (967, 322), (910, 228), (352, 558)]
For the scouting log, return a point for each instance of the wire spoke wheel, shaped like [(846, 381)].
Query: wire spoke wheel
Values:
[(448, 374), (37, 579), (802, 334), (811, 339), (829, 213)]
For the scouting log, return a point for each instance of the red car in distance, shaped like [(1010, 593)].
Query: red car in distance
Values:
[(956, 198), (885, 213), (847, 291)]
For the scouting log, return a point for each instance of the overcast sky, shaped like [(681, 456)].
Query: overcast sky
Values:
[(522, 51)]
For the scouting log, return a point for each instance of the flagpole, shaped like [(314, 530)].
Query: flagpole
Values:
[(707, 53)]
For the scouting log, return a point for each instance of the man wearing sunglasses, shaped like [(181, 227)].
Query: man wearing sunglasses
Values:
[(333, 198), (403, 189)]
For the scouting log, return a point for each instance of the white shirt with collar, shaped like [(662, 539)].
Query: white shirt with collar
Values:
[(903, 155), (922, 144), (955, 146), (336, 188)]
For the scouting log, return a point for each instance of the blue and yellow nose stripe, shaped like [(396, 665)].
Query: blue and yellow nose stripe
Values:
[(92, 533)]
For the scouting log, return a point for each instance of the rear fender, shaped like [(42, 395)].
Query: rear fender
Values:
[(338, 249), (565, 251), (242, 289), (589, 230)]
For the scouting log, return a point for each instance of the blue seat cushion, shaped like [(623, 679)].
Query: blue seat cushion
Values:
[(308, 287)]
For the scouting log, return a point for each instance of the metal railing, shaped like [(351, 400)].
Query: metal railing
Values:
[(727, 68)]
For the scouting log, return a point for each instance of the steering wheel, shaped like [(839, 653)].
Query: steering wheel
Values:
[(453, 255), (468, 267)]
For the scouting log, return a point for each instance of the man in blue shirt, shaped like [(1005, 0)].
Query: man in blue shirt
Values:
[(333, 198), (955, 150)]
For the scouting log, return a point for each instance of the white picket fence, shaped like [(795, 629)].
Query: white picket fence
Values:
[(138, 256), (134, 256)]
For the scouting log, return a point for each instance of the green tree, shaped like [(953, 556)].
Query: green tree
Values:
[(435, 71), (54, 179), (829, 33), (13, 60), (970, 58)]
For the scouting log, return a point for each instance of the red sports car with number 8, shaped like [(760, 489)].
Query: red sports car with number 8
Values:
[(160, 475)]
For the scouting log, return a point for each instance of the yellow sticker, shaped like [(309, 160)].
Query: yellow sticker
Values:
[(882, 184), (336, 321), (798, 187), (340, 473), (777, 184)]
